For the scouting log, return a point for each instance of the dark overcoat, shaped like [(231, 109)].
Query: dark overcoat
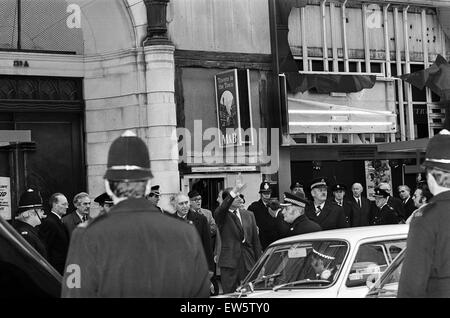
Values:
[(426, 267), (56, 240), (331, 217), (30, 234), (136, 251)]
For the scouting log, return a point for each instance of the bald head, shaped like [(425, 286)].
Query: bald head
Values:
[(357, 190)]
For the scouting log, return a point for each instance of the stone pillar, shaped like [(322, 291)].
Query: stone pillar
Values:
[(162, 120)]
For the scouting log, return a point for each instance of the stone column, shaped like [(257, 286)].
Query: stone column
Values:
[(162, 119)]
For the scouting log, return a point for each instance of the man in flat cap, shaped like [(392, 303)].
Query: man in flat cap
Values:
[(339, 190), (28, 218), (328, 215), (385, 214), (294, 214), (426, 270), (267, 219), (134, 250)]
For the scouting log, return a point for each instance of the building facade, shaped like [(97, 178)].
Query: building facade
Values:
[(76, 74)]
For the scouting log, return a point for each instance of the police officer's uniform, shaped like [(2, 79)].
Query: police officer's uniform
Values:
[(134, 250), (426, 268), (385, 215), (301, 224), (345, 204), (30, 200)]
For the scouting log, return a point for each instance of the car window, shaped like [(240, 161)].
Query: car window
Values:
[(372, 260), (310, 261), (387, 285)]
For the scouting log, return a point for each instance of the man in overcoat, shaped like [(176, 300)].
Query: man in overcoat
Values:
[(134, 250)]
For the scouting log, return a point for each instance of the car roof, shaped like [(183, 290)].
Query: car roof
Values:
[(352, 234)]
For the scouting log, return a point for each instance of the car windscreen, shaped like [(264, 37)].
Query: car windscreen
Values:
[(301, 264), (23, 271)]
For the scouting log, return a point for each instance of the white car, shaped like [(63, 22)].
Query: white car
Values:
[(335, 263)]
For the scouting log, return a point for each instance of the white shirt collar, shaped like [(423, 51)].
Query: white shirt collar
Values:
[(79, 215), (321, 205)]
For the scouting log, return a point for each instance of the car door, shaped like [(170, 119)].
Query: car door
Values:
[(368, 261)]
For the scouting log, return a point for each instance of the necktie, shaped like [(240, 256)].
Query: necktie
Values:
[(318, 210), (85, 218), (239, 223), (359, 202)]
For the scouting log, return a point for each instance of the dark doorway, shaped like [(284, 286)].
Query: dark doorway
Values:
[(56, 164), (208, 189), (52, 109)]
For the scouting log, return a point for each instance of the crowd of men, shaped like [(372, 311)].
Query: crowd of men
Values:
[(135, 248)]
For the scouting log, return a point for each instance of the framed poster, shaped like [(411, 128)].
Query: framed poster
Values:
[(377, 171), (5, 198), (233, 107)]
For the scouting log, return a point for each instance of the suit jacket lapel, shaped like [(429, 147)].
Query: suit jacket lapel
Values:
[(325, 211)]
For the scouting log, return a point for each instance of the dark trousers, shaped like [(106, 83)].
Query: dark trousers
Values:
[(231, 277)]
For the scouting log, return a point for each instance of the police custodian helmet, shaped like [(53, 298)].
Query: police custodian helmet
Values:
[(128, 159), (30, 199), (438, 151)]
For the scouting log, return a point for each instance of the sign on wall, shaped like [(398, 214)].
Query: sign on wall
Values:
[(233, 107), (377, 171), (5, 198)]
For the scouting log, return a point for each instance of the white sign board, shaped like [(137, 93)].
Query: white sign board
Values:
[(5, 198)]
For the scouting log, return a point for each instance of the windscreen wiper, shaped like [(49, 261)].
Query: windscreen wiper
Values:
[(302, 282)]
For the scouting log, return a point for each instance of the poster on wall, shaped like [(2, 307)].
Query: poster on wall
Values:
[(227, 102), (377, 171), (5, 198), (233, 102)]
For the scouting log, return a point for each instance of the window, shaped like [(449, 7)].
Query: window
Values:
[(372, 260)]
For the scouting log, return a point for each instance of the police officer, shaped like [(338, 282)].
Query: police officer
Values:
[(267, 219), (294, 214), (134, 250), (297, 189), (28, 218), (426, 270), (153, 197), (339, 190), (105, 202), (385, 214), (328, 215)]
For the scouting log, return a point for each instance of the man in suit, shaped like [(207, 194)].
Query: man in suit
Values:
[(82, 204), (266, 217), (385, 214), (394, 203), (362, 207), (294, 215), (185, 213), (241, 247), (54, 233), (134, 250), (328, 215), (27, 219), (404, 192), (339, 190)]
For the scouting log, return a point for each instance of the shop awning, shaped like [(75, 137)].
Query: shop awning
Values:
[(418, 145)]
